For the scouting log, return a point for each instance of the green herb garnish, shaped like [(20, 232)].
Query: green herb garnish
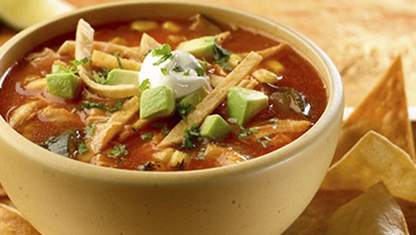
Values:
[(89, 129), (145, 85), (221, 56), (164, 52), (178, 69), (82, 147), (116, 54), (146, 136), (264, 141), (88, 105), (164, 71), (117, 151), (246, 132), (184, 110), (190, 137), (200, 71)]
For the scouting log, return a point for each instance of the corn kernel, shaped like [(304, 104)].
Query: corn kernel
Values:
[(234, 60), (179, 159), (171, 26), (275, 66), (144, 25), (265, 76)]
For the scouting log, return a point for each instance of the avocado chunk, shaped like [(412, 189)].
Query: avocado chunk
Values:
[(65, 85), (157, 102), (194, 98), (202, 47), (214, 127), (243, 104), (122, 76)]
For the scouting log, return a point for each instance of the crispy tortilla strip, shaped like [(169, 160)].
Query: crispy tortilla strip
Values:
[(83, 46), (147, 43), (12, 222), (68, 48), (105, 132), (266, 53), (374, 212), (213, 99), (374, 158), (384, 110), (26, 112), (108, 61), (221, 37)]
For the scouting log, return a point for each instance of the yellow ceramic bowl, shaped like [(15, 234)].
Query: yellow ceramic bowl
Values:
[(263, 196)]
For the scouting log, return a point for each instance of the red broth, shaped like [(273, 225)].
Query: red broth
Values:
[(298, 95)]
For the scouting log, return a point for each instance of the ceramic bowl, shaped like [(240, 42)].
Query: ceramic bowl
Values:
[(262, 196)]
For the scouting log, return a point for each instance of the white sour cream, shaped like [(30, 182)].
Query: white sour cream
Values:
[(178, 72)]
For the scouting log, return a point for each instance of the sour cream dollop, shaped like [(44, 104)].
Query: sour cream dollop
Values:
[(181, 71)]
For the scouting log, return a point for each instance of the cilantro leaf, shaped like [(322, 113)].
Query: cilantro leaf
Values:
[(88, 105), (190, 138), (221, 56), (117, 151)]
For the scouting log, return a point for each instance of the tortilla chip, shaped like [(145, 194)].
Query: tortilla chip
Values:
[(384, 110), (409, 211), (374, 158), (3, 193), (373, 212), (11, 222), (314, 219)]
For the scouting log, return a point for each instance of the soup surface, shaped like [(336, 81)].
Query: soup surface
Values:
[(162, 94)]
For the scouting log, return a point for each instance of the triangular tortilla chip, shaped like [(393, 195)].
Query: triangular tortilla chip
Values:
[(384, 110), (11, 222), (374, 158), (314, 219), (373, 212), (2, 192)]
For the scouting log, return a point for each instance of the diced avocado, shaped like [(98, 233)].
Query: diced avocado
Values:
[(194, 98), (157, 102), (202, 47), (122, 76), (65, 85), (214, 127), (243, 104)]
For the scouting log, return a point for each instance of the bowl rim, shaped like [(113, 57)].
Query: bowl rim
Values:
[(332, 111)]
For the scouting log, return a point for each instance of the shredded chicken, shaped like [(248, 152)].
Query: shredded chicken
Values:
[(224, 155), (26, 112), (105, 132), (50, 114)]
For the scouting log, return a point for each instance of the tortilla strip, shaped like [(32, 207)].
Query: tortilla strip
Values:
[(68, 48), (12, 222), (213, 99), (83, 46), (221, 37), (26, 112), (105, 132), (384, 110), (147, 43), (266, 53), (108, 61)]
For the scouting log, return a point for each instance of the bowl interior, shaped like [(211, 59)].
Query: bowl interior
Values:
[(28, 39)]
